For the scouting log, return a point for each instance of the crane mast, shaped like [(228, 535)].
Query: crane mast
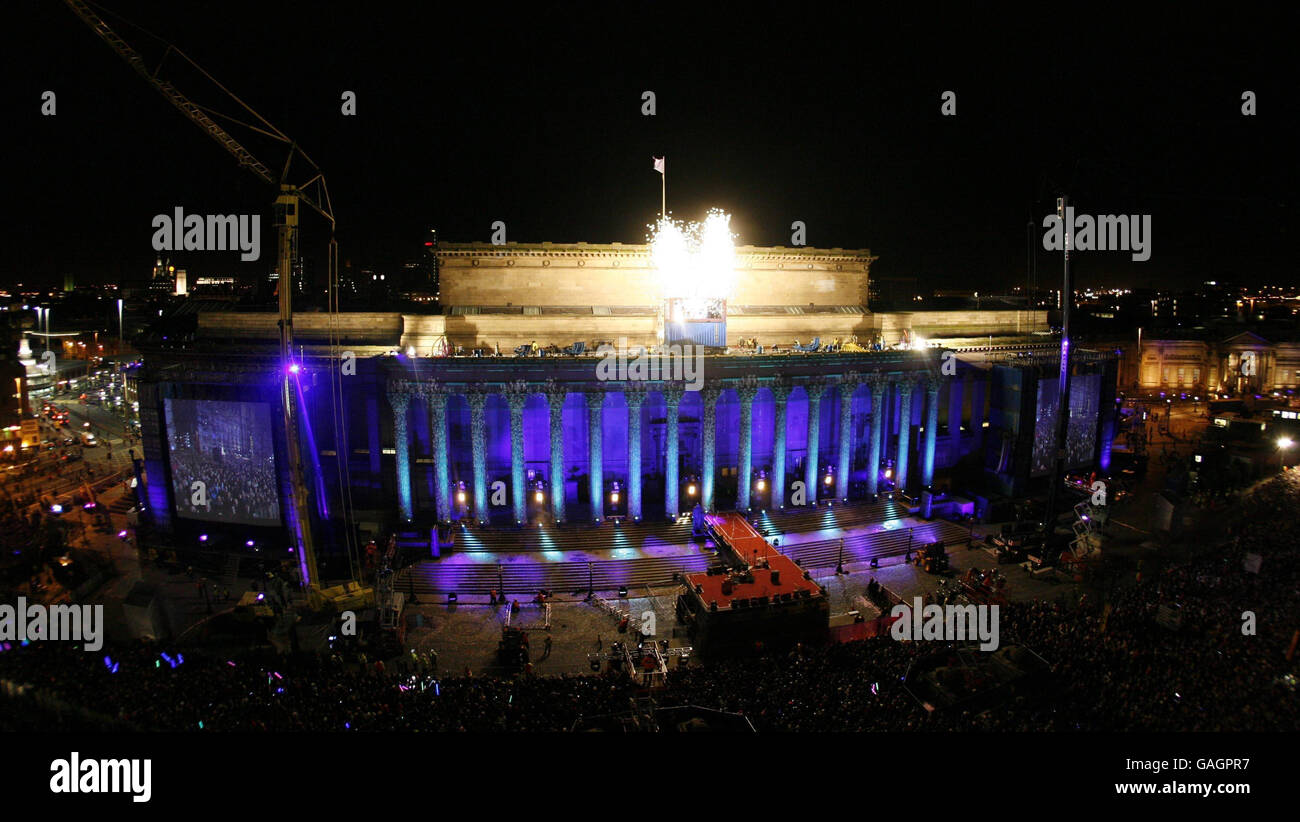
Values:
[(312, 192)]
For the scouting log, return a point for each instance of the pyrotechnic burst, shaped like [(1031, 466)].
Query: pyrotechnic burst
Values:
[(695, 260)]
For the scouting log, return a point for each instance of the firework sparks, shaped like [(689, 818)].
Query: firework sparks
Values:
[(695, 260)]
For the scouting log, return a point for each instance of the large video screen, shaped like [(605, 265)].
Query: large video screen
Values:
[(225, 446), (1080, 438)]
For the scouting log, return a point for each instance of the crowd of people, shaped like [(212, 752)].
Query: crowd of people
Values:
[(234, 489), (1118, 665)]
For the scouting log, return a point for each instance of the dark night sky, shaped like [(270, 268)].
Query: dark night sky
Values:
[(776, 113)]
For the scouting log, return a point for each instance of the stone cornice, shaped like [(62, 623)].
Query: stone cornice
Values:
[(638, 252)]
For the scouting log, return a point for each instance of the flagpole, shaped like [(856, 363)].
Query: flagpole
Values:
[(663, 192)]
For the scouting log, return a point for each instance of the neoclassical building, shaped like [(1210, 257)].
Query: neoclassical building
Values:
[(1241, 363), (401, 436)]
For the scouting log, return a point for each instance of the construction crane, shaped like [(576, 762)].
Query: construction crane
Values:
[(310, 190)]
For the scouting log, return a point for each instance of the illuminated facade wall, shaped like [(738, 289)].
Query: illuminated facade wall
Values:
[(414, 434)]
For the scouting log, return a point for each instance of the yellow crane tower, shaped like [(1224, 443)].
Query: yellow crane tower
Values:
[(310, 190)]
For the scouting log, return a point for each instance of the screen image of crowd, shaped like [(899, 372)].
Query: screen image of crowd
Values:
[(1080, 436), (1118, 672), (227, 447)]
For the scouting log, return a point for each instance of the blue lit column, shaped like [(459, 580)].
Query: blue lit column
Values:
[(848, 383), (708, 420), (516, 396), (747, 390), (672, 405), (635, 396), (436, 397), (814, 390), (877, 433), (596, 473), (906, 388), (780, 394), (400, 399), (555, 397), (927, 444), (478, 443)]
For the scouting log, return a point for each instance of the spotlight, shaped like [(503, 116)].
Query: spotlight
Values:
[(614, 498), (203, 537), (690, 490), (121, 534), (460, 496), (762, 484), (451, 598), (249, 543), (294, 369), (538, 496), (828, 480), (622, 591), (1285, 442)]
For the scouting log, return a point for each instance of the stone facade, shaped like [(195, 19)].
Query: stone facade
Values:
[(1240, 364), (614, 274)]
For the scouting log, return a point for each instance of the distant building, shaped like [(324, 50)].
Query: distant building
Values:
[(162, 283), (1239, 363)]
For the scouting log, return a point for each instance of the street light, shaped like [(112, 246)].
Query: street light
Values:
[(1283, 445)]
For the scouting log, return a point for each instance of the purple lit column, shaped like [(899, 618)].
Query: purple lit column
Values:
[(555, 397), (400, 399), (747, 390), (814, 390), (708, 421), (595, 401), (780, 395), (877, 433), (906, 388), (927, 443), (635, 396), (516, 396), (848, 383), (931, 428), (478, 445), (672, 404), (436, 396)]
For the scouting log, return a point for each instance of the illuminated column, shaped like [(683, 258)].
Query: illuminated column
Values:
[(707, 429), (400, 398), (478, 444), (877, 433), (780, 393), (906, 388), (436, 397), (595, 399), (747, 390), (555, 396), (672, 402), (848, 383), (814, 390), (516, 396), (931, 428), (634, 393)]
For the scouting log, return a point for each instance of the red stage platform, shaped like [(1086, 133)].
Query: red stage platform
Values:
[(765, 563)]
